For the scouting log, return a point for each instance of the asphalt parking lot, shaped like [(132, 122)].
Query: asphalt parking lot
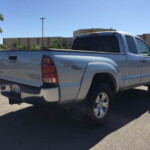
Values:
[(50, 127)]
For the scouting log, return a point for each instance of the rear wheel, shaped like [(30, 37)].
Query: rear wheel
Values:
[(99, 104), (148, 88)]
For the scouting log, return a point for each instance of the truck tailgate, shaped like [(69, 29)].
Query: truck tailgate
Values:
[(22, 67)]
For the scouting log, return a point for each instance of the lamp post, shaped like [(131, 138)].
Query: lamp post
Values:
[(42, 30)]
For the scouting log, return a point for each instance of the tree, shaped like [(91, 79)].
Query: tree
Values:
[(16, 44), (66, 46), (35, 47), (2, 47), (1, 19), (111, 29), (58, 43), (22, 47)]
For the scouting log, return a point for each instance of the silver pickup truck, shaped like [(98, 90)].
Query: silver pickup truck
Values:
[(97, 66)]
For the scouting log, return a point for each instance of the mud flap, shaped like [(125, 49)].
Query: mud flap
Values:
[(78, 111), (13, 98)]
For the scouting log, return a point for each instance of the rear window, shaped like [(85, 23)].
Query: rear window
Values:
[(80, 44), (107, 43)]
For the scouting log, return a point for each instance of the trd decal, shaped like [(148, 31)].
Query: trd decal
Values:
[(71, 64)]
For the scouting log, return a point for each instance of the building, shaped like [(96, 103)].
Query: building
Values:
[(47, 41), (145, 37)]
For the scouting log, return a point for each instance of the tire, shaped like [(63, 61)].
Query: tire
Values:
[(148, 89), (99, 104)]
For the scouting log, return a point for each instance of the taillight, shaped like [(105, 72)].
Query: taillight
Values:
[(49, 72)]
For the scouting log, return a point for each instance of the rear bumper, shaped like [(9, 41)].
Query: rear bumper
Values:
[(49, 94), (26, 92)]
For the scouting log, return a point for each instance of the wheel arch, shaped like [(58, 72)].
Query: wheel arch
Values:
[(98, 73), (104, 78)]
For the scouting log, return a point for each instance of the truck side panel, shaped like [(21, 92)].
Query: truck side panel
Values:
[(71, 67)]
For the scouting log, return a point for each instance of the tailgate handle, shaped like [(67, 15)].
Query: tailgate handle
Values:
[(12, 57)]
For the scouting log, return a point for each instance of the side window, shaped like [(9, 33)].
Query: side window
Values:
[(143, 48), (131, 44)]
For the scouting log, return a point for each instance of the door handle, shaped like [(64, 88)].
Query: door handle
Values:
[(12, 59)]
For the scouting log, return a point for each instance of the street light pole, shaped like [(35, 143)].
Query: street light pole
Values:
[(42, 31)]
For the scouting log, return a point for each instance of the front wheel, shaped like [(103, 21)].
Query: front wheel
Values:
[(99, 104)]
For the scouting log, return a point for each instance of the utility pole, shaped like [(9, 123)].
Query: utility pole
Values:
[(42, 31)]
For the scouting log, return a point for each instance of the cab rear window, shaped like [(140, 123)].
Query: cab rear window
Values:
[(107, 43)]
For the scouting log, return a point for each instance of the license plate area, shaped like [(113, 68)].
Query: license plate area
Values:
[(15, 88)]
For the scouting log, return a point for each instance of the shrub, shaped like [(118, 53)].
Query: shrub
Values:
[(3, 46), (16, 44), (35, 47), (66, 46), (22, 47), (58, 43)]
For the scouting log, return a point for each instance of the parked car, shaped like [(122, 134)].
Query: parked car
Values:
[(98, 66)]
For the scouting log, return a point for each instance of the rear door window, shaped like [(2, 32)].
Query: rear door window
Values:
[(131, 44)]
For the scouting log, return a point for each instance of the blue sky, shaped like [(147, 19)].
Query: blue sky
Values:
[(65, 16)]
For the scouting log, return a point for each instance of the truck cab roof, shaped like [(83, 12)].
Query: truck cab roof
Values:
[(106, 33)]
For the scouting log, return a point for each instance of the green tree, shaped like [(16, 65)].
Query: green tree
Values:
[(35, 47), (16, 44), (111, 29), (22, 47), (58, 43), (66, 46), (2, 47), (1, 19)]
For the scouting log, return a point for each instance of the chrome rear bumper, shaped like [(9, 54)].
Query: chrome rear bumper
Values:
[(49, 94)]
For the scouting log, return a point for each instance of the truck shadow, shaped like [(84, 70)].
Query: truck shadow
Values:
[(50, 127)]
